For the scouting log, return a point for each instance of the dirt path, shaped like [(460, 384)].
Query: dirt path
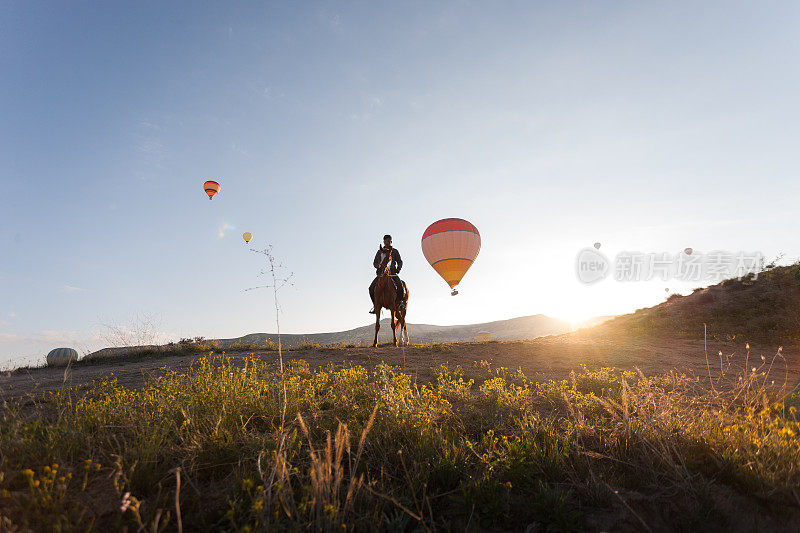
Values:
[(539, 359)]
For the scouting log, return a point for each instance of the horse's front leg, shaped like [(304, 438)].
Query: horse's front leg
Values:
[(394, 327), (377, 325)]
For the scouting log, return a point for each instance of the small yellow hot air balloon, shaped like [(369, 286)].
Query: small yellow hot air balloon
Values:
[(247, 236), (451, 245), (211, 188)]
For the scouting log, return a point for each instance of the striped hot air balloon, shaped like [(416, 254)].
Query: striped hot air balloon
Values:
[(211, 188), (451, 245), (61, 357)]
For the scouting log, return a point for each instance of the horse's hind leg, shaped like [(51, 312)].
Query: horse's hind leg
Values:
[(377, 325), (394, 326), (401, 325), (404, 313)]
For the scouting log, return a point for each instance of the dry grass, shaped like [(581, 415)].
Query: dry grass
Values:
[(243, 449)]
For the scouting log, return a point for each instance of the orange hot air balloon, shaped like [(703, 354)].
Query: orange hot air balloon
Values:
[(451, 245), (211, 188)]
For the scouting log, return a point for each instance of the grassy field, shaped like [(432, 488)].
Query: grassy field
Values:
[(246, 447)]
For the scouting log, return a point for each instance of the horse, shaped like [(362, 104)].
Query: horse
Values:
[(386, 296)]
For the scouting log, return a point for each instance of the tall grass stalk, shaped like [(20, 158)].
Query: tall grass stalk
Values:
[(278, 470)]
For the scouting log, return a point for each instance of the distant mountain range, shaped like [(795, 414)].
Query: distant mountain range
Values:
[(522, 328), (526, 327)]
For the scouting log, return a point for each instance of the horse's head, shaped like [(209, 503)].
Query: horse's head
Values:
[(385, 267)]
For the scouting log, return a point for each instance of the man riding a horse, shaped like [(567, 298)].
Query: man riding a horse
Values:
[(388, 291), (387, 253)]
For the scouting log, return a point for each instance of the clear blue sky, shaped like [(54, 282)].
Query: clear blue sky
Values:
[(548, 125)]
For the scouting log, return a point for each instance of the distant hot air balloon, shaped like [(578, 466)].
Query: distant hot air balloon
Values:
[(211, 188), (597, 246), (62, 357), (247, 236), (451, 245), (688, 251)]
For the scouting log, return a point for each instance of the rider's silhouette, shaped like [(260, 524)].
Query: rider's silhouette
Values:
[(396, 264)]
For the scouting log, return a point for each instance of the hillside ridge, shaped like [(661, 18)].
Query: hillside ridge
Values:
[(754, 308)]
